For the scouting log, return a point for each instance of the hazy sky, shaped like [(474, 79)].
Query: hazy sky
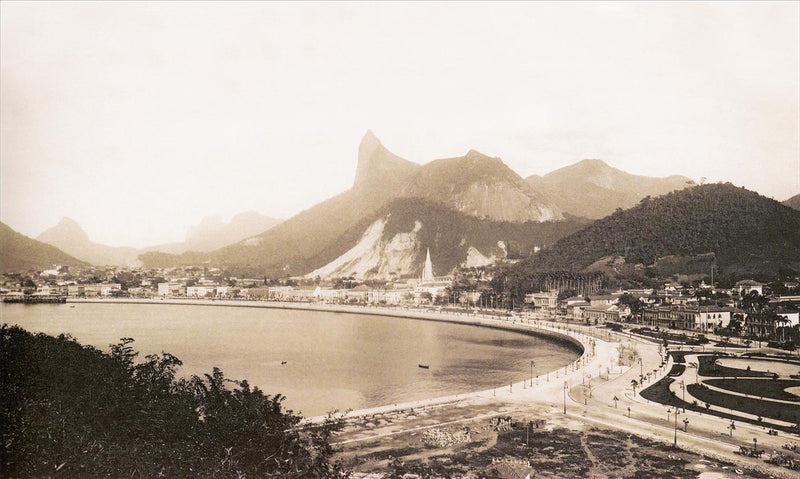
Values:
[(138, 119)]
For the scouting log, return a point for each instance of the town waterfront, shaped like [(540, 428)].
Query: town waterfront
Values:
[(319, 360)]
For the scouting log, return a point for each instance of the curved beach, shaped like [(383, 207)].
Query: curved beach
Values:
[(593, 352)]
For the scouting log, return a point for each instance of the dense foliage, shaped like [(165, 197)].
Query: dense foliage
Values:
[(72, 410), (747, 233)]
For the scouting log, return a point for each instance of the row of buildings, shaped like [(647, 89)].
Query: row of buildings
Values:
[(671, 308)]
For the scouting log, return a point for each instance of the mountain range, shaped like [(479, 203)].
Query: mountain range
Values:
[(368, 229), (20, 253)]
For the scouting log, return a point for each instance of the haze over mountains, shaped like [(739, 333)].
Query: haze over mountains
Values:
[(213, 233), (210, 234), (68, 236), (369, 231)]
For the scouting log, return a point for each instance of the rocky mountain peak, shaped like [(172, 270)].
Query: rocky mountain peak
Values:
[(593, 163), (475, 155), (377, 165), (66, 230)]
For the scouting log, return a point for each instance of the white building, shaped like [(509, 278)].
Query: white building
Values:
[(201, 290), (171, 288)]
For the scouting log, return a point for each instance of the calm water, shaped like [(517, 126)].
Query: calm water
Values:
[(333, 360)]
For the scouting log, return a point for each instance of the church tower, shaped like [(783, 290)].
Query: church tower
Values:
[(427, 272)]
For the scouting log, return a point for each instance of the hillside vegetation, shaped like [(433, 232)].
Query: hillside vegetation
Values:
[(20, 253), (747, 233), (74, 411)]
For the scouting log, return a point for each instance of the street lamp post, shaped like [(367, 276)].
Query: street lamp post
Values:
[(532, 373), (675, 439), (565, 397)]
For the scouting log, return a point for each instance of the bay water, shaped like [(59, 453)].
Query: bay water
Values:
[(320, 361)]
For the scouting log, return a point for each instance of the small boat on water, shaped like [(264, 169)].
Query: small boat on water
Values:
[(423, 366)]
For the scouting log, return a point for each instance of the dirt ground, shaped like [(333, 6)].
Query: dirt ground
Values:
[(494, 439)]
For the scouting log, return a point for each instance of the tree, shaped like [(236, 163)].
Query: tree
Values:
[(634, 303)]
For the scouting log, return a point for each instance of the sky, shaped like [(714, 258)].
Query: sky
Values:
[(138, 119)]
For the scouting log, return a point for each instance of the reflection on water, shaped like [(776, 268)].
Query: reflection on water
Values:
[(319, 361)]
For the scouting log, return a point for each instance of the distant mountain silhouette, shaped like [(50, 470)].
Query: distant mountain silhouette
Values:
[(69, 237), (747, 233), (793, 202), (20, 253), (593, 189), (212, 233)]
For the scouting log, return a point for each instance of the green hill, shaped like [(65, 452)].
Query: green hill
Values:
[(747, 233), (20, 253)]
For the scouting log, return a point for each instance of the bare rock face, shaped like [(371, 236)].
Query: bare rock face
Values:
[(379, 167), (478, 185)]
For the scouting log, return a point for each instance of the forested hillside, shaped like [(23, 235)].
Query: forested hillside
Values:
[(73, 411), (747, 233)]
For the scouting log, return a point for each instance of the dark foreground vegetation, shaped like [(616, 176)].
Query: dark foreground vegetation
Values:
[(71, 410)]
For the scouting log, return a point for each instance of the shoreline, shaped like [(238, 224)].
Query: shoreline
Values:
[(587, 347)]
